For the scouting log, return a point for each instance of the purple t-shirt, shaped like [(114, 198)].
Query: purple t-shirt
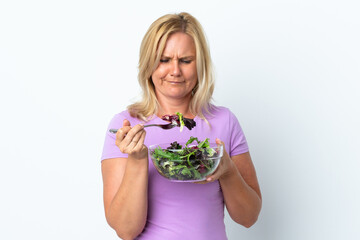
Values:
[(183, 210)]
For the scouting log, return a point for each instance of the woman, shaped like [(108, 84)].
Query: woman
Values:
[(175, 74)]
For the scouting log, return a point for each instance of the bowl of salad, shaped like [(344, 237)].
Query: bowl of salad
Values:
[(186, 162)]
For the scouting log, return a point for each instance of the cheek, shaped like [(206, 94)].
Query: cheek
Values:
[(192, 74), (160, 72)]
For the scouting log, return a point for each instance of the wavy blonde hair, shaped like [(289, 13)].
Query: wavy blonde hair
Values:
[(151, 50)]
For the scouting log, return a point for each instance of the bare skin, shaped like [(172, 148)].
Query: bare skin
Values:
[(240, 187), (176, 75), (125, 183)]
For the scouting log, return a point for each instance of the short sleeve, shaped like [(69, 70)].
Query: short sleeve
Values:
[(238, 143), (110, 150)]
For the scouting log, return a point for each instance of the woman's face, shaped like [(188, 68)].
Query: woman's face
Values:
[(176, 74)]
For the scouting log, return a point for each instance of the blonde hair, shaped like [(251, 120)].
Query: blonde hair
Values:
[(152, 48)]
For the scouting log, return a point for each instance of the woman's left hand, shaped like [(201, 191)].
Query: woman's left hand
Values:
[(226, 166)]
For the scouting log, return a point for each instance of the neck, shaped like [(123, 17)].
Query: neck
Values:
[(171, 106)]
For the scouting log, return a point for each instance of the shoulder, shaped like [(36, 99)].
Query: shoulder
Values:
[(122, 115), (117, 119), (220, 112), (222, 116)]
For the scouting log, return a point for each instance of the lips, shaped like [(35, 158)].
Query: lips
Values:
[(174, 82)]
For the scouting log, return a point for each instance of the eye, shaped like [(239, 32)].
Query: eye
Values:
[(186, 61), (164, 60)]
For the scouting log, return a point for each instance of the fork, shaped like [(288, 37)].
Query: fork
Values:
[(163, 126)]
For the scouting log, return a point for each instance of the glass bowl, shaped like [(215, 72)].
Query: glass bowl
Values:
[(191, 164)]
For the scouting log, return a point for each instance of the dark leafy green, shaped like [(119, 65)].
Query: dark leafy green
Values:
[(179, 120), (188, 162)]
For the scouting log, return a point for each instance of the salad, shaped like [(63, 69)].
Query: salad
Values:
[(191, 162), (180, 121)]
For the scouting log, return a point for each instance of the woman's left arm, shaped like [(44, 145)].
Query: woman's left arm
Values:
[(240, 187)]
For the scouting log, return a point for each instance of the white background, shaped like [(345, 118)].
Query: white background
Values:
[(288, 69)]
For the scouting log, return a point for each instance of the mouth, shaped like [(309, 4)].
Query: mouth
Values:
[(173, 82)]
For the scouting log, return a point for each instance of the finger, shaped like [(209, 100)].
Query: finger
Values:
[(128, 145), (212, 178), (201, 182), (137, 146), (219, 142), (140, 143), (215, 175), (125, 129), (136, 139), (126, 123), (121, 133), (137, 136), (131, 135)]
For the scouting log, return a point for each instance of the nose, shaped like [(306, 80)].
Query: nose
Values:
[(175, 69)]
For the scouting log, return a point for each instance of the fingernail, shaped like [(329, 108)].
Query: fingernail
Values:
[(209, 179)]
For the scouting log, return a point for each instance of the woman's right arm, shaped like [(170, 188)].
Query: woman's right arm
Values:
[(126, 183)]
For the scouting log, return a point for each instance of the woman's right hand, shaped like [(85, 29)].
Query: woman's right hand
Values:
[(126, 182), (130, 140)]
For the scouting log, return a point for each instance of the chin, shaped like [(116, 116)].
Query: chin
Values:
[(178, 95)]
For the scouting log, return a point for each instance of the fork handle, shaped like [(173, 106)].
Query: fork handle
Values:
[(149, 125), (113, 130), (152, 125)]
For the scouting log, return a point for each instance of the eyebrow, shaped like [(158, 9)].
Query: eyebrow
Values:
[(185, 57)]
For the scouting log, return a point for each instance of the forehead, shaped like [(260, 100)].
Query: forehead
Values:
[(179, 43)]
